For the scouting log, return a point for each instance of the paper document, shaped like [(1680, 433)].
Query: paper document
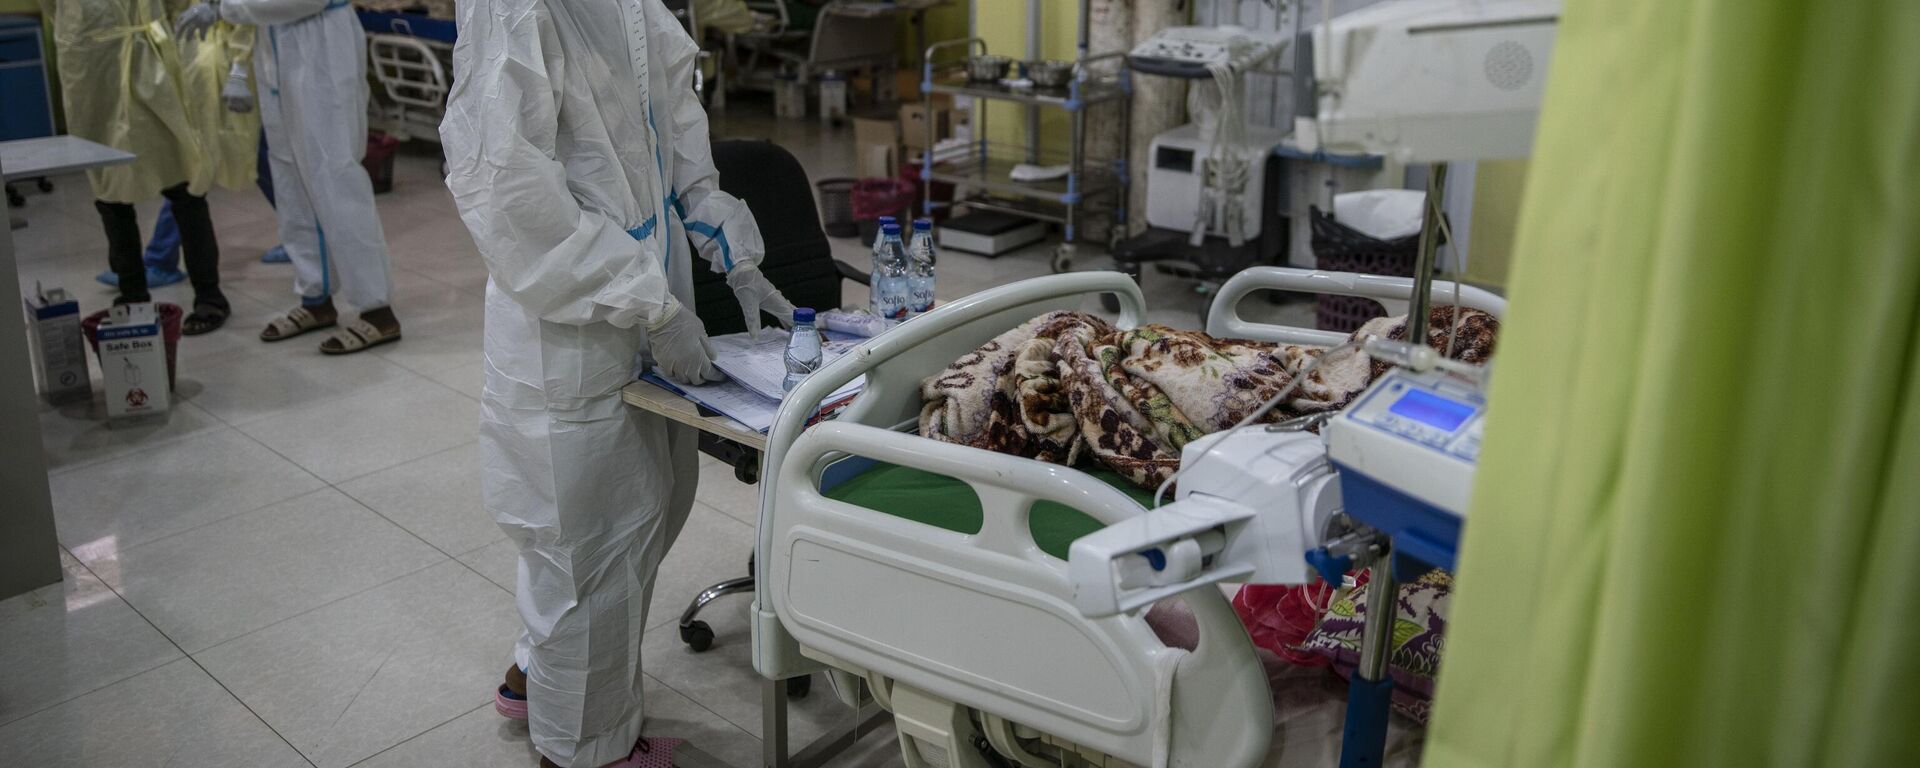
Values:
[(761, 365), (729, 398), (734, 401)]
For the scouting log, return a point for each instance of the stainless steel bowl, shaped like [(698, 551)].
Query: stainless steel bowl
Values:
[(1049, 73), (987, 68)]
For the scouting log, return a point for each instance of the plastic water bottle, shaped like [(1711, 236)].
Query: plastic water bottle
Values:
[(803, 348), (879, 265), (920, 258), (890, 275)]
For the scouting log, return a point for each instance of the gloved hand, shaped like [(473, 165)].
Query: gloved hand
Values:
[(195, 21), (757, 295), (680, 348), (235, 93)]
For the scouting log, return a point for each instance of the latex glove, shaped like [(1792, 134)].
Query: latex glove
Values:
[(196, 20), (681, 351), (235, 93), (756, 295)]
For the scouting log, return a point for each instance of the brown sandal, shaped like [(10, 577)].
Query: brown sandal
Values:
[(295, 322)]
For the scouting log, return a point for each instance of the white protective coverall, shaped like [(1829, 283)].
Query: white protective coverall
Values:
[(310, 70), (578, 155)]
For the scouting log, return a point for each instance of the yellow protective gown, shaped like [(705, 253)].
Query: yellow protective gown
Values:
[(231, 139), (122, 85)]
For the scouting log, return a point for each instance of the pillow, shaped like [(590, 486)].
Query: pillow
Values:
[(1419, 632)]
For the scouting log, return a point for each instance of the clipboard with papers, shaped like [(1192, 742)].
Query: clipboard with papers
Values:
[(756, 371)]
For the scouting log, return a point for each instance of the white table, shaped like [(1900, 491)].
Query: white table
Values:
[(29, 553), (776, 751), (56, 155), (653, 398)]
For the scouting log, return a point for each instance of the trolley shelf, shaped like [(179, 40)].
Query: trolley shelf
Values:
[(992, 175), (1095, 90)]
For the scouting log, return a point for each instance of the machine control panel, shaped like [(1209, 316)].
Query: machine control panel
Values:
[(1429, 410), (1415, 432)]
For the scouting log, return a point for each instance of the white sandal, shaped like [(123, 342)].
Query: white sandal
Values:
[(357, 336), (296, 321)]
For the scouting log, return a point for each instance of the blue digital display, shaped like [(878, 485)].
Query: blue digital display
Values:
[(1432, 410)]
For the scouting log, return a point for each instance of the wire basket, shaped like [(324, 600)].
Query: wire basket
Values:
[(1340, 248), (836, 207)]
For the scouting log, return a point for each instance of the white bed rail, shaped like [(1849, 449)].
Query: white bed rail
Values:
[(895, 362), (1394, 293), (1214, 682), (987, 619)]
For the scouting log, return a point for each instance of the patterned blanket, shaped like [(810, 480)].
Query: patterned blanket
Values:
[(1067, 386)]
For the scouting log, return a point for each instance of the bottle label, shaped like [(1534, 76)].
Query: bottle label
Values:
[(920, 296), (890, 298)]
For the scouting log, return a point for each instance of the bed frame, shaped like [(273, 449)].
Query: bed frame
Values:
[(969, 638)]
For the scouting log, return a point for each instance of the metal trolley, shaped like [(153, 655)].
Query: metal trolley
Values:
[(981, 173)]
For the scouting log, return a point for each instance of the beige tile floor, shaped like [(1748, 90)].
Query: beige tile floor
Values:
[(294, 569)]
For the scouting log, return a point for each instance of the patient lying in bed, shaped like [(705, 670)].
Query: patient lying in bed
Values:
[(1069, 388)]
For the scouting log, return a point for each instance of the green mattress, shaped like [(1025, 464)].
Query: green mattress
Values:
[(949, 503)]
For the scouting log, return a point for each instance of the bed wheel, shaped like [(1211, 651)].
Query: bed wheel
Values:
[(698, 636), (799, 687)]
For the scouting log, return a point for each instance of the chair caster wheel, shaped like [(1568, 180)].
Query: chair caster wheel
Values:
[(799, 687), (698, 636), (1063, 258), (43, 184)]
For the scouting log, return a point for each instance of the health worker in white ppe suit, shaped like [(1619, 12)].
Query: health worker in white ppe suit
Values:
[(310, 68), (578, 155)]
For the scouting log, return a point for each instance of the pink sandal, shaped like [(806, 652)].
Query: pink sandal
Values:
[(649, 753), (510, 705)]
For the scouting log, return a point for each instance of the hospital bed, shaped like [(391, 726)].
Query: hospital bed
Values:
[(846, 36), (965, 626)]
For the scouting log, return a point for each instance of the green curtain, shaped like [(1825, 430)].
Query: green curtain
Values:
[(1695, 535)]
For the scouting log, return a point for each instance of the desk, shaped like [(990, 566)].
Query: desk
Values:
[(55, 155), (29, 552)]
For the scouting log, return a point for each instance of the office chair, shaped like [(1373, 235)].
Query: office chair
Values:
[(799, 261)]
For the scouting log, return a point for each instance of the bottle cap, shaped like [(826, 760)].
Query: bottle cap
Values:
[(922, 225), (803, 314), (890, 228)]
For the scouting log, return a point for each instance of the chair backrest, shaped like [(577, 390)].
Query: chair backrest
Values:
[(799, 258)]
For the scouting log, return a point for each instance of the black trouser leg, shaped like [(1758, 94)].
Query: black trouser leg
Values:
[(199, 248), (124, 249)]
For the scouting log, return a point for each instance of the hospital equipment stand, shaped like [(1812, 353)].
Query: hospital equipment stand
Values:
[(1370, 693), (984, 167), (1429, 243)]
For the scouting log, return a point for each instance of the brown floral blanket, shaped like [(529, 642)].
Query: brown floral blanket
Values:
[(1067, 386)]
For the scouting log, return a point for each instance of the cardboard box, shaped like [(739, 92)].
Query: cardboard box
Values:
[(133, 362), (59, 350), (876, 143), (913, 124)]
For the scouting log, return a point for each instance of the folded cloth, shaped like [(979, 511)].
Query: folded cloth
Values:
[(1067, 385)]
